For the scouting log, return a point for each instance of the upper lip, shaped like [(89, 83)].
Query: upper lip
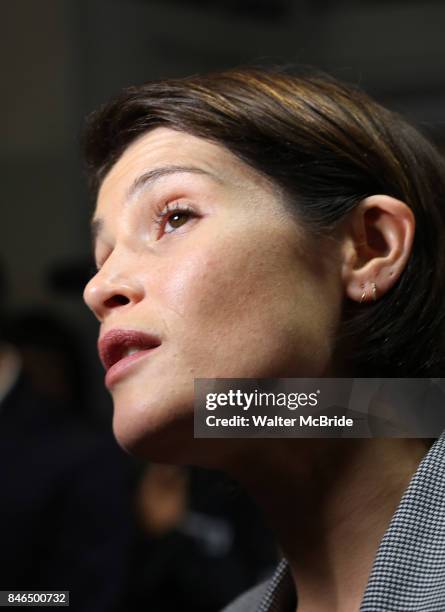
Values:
[(114, 343)]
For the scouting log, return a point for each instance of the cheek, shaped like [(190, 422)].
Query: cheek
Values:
[(192, 285), (230, 310), (213, 285)]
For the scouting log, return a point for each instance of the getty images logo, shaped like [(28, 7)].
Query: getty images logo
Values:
[(241, 399)]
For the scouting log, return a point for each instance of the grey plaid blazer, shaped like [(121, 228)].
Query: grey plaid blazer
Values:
[(408, 574)]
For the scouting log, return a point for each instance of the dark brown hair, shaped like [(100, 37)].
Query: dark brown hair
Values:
[(328, 145)]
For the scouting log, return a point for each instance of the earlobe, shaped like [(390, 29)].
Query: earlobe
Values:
[(364, 297), (377, 243)]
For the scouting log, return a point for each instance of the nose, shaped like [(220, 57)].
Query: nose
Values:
[(104, 294)]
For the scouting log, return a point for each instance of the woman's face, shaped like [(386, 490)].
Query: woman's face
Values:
[(201, 252)]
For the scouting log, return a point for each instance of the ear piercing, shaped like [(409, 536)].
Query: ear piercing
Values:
[(373, 293)]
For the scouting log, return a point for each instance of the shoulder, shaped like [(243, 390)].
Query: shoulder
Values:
[(250, 600), (277, 593)]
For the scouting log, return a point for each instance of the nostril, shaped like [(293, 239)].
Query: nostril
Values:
[(116, 300)]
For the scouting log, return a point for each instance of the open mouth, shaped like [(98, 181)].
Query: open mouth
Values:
[(120, 348)]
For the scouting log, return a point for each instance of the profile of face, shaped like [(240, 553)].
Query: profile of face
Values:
[(201, 253)]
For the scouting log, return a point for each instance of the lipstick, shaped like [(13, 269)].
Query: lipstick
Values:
[(120, 349)]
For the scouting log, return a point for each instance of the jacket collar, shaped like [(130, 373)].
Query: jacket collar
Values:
[(408, 572)]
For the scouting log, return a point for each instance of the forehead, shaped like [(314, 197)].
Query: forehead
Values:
[(163, 147)]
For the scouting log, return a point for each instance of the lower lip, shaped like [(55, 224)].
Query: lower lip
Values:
[(122, 367)]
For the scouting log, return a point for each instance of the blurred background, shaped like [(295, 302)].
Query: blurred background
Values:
[(59, 60)]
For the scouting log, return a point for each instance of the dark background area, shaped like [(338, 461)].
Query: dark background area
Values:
[(60, 59)]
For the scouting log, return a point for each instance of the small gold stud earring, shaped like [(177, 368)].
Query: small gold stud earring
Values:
[(373, 292)]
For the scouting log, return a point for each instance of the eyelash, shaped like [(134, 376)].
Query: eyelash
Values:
[(162, 216)]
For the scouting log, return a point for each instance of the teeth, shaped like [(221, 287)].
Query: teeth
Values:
[(131, 351)]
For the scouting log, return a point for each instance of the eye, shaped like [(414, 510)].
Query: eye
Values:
[(172, 217), (175, 220)]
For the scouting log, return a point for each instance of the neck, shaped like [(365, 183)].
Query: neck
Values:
[(329, 502)]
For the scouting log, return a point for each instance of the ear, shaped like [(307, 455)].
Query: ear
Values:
[(376, 244)]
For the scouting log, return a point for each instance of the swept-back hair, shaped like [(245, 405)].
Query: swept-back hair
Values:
[(327, 145)]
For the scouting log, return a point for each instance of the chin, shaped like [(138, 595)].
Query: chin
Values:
[(168, 441), (154, 432), (144, 437)]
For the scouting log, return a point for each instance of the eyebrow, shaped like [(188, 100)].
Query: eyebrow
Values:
[(146, 180)]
